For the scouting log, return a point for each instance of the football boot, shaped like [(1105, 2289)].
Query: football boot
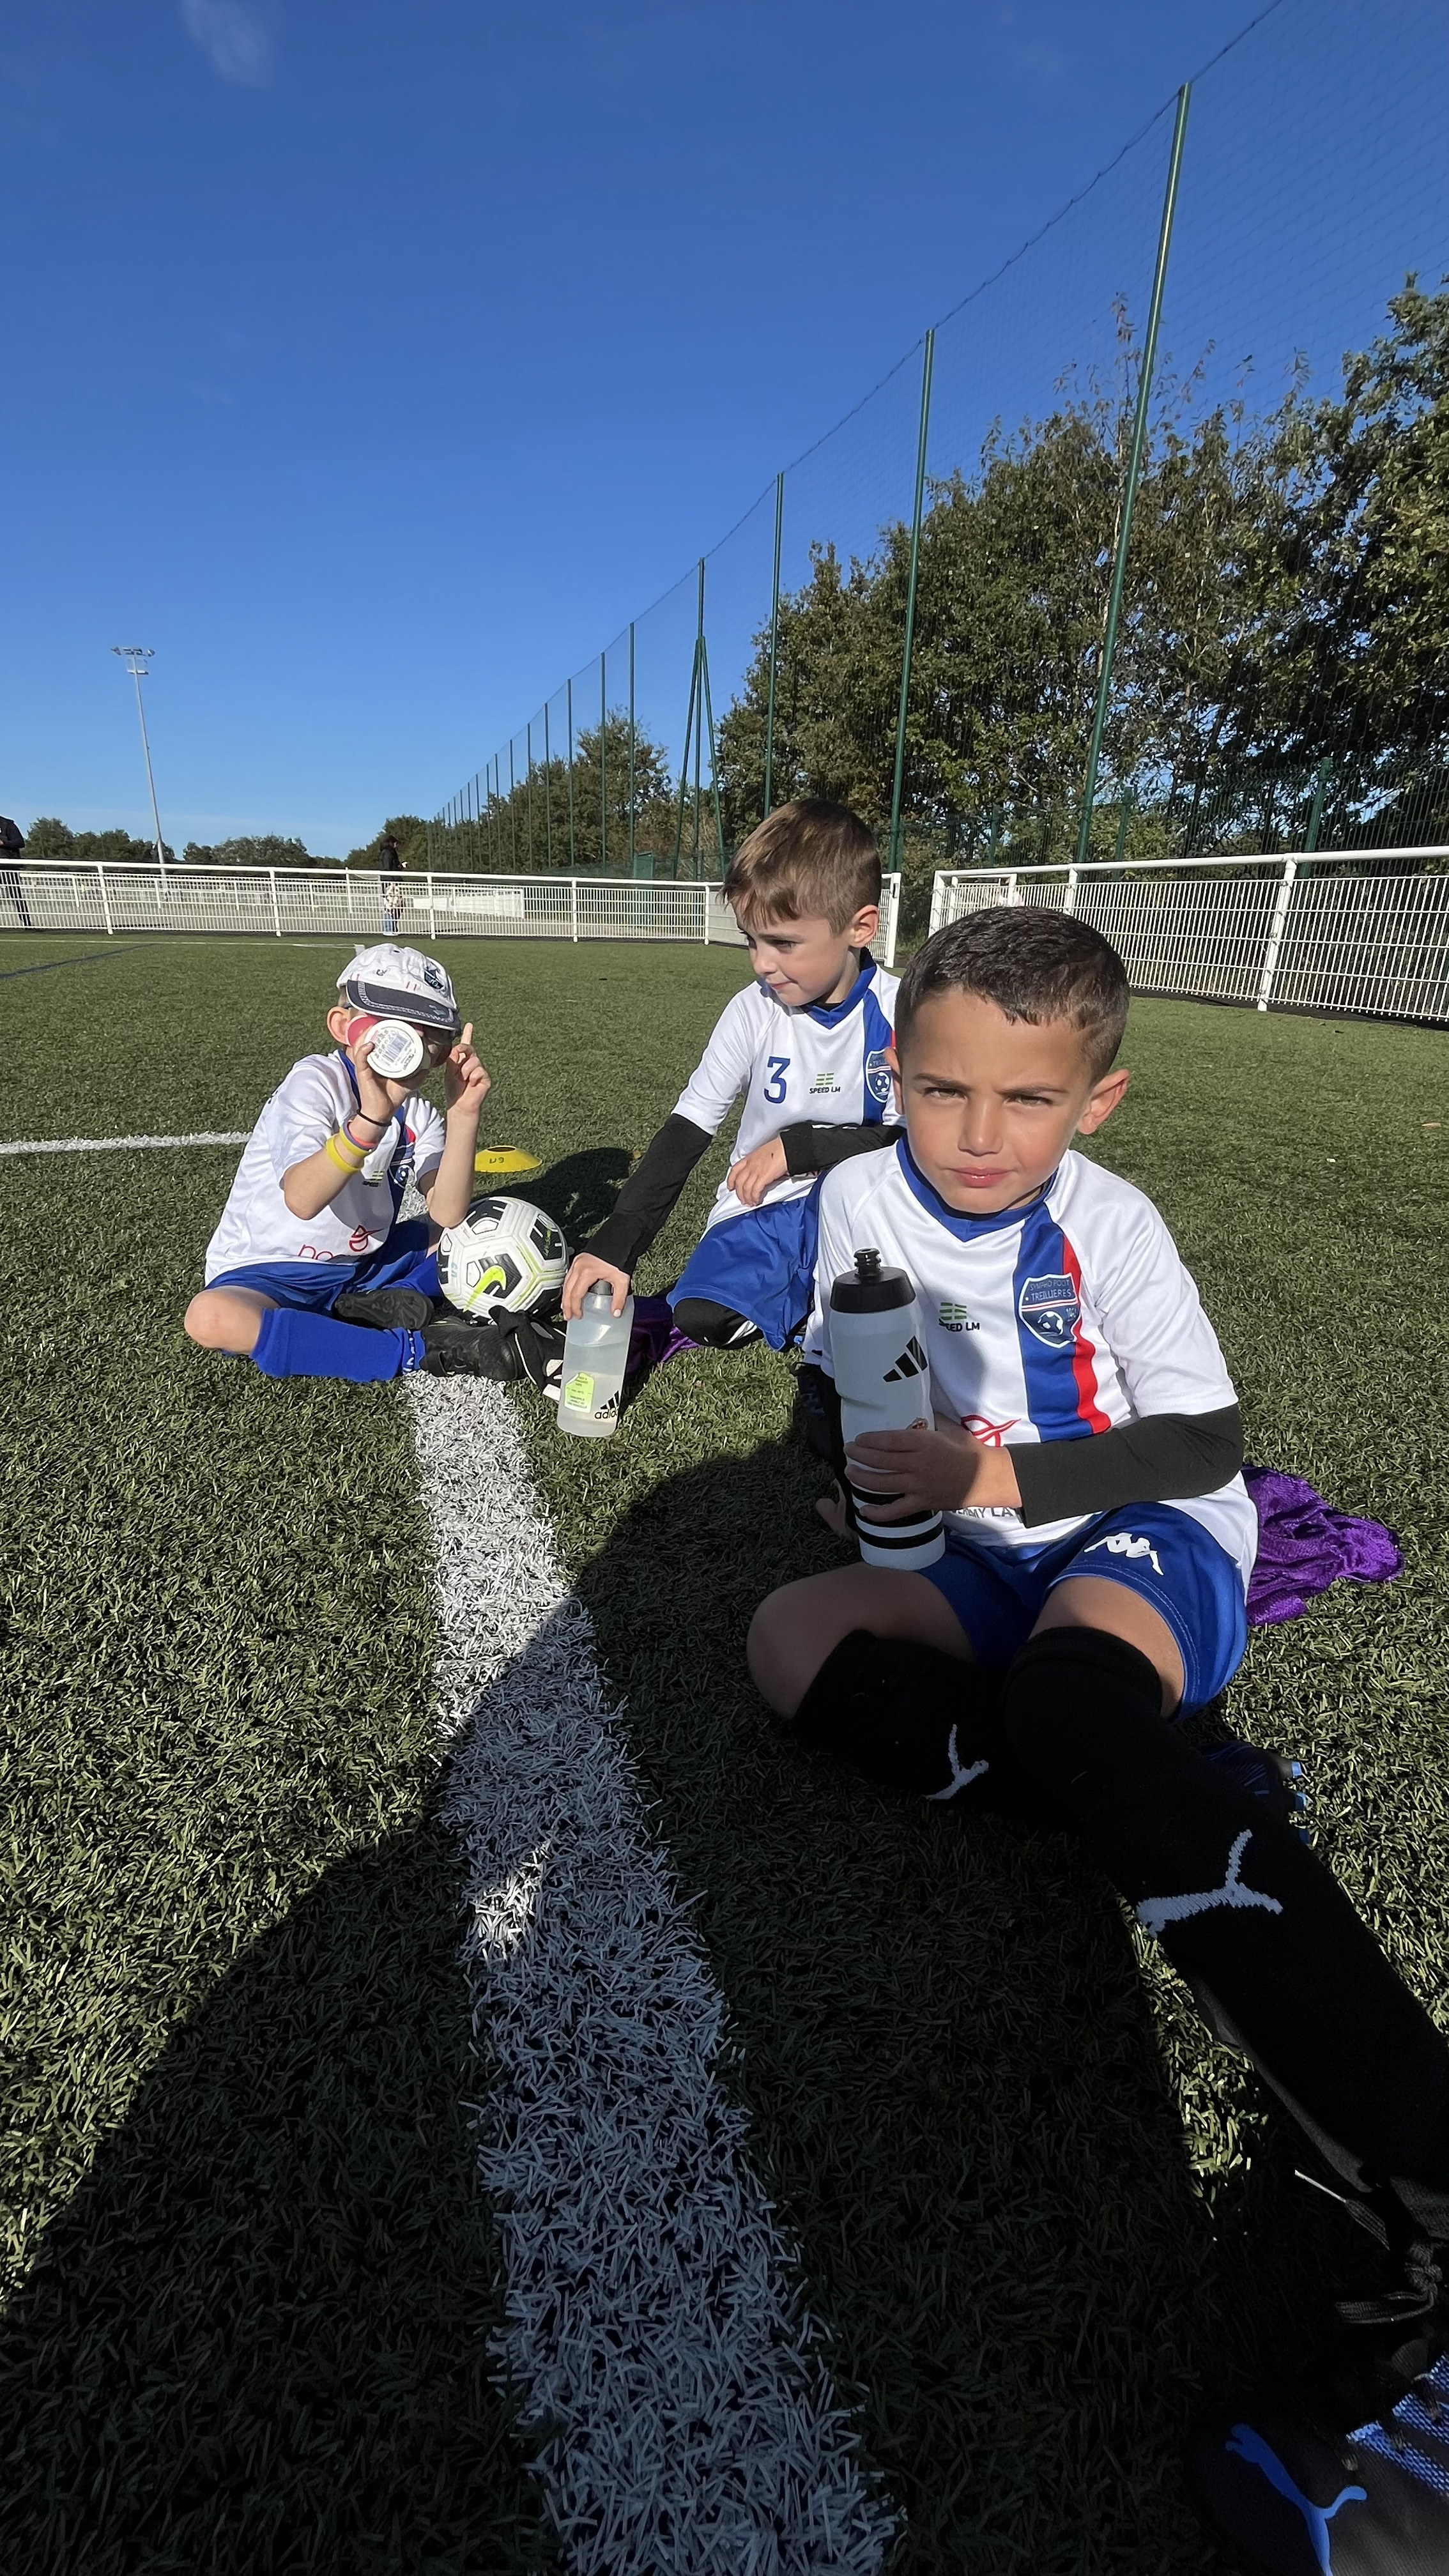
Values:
[(385, 1309), (1351, 2479), (1273, 1777)]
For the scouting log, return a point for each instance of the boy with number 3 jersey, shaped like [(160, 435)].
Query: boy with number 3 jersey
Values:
[(808, 1045)]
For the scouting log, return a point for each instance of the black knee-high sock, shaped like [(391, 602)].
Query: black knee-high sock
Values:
[(1240, 1905), (915, 1719)]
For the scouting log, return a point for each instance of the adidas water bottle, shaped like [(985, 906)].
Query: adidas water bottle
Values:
[(596, 1354), (884, 1384)]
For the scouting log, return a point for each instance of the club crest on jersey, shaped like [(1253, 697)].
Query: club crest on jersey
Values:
[(878, 1075), (433, 974), (1050, 1309)]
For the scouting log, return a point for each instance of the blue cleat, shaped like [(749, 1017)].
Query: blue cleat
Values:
[(1296, 2496), (1274, 1777)]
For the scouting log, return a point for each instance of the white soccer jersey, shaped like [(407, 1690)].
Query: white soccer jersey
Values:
[(817, 1063), (304, 1110), (1043, 1323)]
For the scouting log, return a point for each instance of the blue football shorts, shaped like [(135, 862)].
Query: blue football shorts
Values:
[(998, 1593), (403, 1261), (760, 1263)]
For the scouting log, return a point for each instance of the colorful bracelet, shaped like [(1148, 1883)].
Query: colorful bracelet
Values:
[(365, 1144), (343, 1161)]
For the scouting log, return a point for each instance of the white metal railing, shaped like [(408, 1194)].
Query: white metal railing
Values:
[(93, 895), (1224, 930)]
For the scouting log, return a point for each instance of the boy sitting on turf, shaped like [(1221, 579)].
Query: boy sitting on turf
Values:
[(808, 1044), (1086, 1449), (309, 1272)]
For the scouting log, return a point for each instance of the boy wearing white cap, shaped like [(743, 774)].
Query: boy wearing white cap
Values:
[(309, 1272)]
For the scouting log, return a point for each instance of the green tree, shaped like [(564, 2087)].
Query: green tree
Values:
[(49, 838), (264, 850)]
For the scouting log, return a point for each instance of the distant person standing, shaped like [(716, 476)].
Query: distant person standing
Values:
[(12, 842), (394, 893)]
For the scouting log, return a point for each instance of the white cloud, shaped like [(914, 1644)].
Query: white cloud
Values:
[(233, 39)]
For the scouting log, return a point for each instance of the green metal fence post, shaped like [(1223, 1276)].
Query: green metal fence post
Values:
[(1325, 771), (547, 791), (603, 775), (909, 637), (684, 763), (631, 747), (698, 721), (573, 856), (1134, 470), (528, 738), (512, 807), (713, 758), (774, 647)]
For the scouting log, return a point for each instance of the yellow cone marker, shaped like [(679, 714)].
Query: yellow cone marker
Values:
[(506, 1163)]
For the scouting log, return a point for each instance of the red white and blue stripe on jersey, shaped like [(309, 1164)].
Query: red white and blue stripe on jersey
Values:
[(1058, 1359)]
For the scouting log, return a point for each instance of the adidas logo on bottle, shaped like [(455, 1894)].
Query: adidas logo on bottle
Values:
[(911, 1363)]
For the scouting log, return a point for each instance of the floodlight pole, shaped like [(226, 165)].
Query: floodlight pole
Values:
[(136, 657)]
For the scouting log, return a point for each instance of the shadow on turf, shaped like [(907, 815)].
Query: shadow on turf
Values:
[(957, 2088), (256, 2339), (579, 1191)]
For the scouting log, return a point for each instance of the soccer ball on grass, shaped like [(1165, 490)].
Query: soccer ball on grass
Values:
[(505, 1255)]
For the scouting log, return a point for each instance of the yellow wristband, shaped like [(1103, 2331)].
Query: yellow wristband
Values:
[(343, 1162)]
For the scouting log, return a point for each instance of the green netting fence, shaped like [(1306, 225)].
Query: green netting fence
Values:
[(1141, 552)]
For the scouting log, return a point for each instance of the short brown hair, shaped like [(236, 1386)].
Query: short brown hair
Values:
[(1035, 965), (808, 858)]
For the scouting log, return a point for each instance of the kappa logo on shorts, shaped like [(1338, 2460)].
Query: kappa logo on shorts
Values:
[(878, 1075), (1050, 1309), (1122, 1543)]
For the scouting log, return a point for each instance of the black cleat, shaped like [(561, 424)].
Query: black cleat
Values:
[(454, 1347), (385, 1309), (1354, 2481)]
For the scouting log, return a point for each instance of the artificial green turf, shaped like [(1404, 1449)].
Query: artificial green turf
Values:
[(1041, 2215)]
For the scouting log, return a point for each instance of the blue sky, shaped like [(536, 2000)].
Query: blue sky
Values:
[(375, 364)]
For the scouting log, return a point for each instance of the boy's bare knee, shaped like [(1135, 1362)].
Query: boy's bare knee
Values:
[(219, 1319), (202, 1320)]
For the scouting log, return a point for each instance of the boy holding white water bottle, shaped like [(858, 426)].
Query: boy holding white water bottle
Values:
[(1077, 1540), (808, 1045)]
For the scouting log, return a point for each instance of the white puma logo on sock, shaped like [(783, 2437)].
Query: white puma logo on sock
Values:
[(1155, 1911), (959, 1779)]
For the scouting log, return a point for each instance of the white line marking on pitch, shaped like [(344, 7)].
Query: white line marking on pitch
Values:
[(654, 2321), (118, 1144)]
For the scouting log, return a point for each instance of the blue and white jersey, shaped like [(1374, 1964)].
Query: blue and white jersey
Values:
[(1049, 1322), (304, 1110), (822, 1062)]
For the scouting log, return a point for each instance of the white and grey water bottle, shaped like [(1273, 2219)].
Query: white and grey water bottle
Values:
[(595, 1358), (884, 1383)]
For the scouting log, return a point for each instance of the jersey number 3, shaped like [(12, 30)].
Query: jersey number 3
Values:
[(779, 1066)]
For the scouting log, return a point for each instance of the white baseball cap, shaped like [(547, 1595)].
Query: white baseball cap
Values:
[(400, 984)]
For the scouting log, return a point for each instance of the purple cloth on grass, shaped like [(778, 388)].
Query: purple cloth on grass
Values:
[(654, 1338), (1304, 1545)]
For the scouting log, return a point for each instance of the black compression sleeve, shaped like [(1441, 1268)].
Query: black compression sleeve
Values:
[(814, 1147), (1161, 1459), (649, 1193)]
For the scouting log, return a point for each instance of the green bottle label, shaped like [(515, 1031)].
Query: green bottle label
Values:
[(578, 1395)]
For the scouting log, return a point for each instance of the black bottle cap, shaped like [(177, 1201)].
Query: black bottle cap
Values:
[(870, 1288)]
